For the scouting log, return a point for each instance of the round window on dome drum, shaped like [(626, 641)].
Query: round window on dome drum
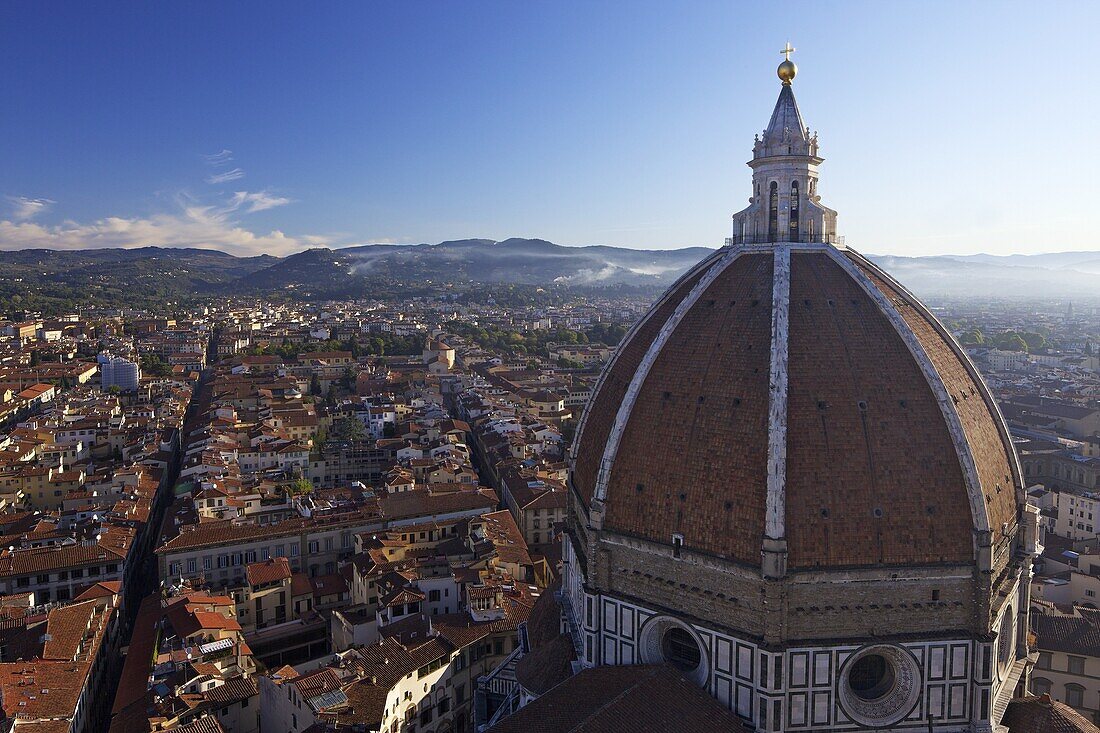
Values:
[(680, 649), (880, 685), (872, 677)]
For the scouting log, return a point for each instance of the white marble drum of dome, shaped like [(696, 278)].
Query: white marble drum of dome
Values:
[(793, 486)]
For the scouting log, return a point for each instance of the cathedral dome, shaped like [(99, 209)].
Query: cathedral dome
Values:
[(792, 486), (797, 392), (788, 405)]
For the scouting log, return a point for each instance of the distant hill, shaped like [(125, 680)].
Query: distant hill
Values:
[(57, 280), (1056, 275), (1090, 261), (523, 261), (51, 280)]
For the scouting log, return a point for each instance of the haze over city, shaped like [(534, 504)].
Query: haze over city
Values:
[(273, 127)]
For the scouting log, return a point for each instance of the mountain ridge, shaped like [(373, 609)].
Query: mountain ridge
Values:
[(378, 269), (513, 260)]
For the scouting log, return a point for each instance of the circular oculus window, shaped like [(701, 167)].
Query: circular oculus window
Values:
[(879, 685), (667, 640), (680, 649)]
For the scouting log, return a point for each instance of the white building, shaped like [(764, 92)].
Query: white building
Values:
[(116, 371), (1076, 514)]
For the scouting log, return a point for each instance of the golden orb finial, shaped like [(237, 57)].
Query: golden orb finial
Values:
[(787, 69)]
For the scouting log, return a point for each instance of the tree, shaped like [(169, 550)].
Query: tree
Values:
[(301, 486), (973, 337), (1033, 340), (154, 365), (287, 350), (315, 385), (606, 333), (1012, 342), (36, 358), (348, 428)]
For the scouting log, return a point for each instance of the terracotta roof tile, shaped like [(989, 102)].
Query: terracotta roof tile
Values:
[(873, 473), (547, 666), (1075, 630), (975, 404), (599, 416), (623, 699), (696, 441), (268, 571), (865, 433), (1044, 715)]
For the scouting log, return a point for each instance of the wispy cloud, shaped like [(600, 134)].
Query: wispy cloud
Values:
[(220, 158), (27, 208), (226, 176), (191, 222), (258, 201), (220, 161), (194, 224)]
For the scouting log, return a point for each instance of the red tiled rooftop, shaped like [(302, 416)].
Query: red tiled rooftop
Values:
[(272, 570)]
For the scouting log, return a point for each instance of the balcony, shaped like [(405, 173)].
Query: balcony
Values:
[(832, 239)]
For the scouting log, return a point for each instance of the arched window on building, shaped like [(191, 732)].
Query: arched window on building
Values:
[(792, 235), (1040, 686), (1075, 695), (773, 213)]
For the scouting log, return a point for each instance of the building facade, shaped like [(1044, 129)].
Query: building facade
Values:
[(116, 371), (1068, 667)]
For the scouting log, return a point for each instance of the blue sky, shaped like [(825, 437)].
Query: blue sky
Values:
[(270, 126)]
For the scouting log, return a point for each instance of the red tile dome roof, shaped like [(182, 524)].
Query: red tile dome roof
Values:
[(796, 391), (1044, 715)]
